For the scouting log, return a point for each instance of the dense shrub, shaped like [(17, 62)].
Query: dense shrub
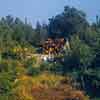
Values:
[(33, 71)]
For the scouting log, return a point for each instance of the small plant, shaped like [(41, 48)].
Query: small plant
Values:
[(33, 71)]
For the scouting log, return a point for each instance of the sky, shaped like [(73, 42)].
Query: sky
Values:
[(41, 10)]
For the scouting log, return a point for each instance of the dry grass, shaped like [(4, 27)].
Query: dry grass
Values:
[(46, 87)]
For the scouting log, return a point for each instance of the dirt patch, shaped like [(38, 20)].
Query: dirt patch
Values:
[(61, 92)]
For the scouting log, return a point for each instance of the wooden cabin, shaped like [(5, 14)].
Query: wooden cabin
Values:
[(52, 47)]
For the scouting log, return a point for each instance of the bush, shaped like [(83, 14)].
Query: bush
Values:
[(5, 83), (56, 68), (33, 71)]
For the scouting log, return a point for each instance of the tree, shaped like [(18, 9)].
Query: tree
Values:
[(40, 33), (70, 21), (43, 33), (85, 53), (10, 20)]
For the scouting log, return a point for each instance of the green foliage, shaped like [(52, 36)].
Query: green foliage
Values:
[(83, 51), (19, 43), (5, 83), (86, 55), (55, 68), (16, 30), (33, 71), (69, 22)]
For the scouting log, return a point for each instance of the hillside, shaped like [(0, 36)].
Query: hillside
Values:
[(55, 61)]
